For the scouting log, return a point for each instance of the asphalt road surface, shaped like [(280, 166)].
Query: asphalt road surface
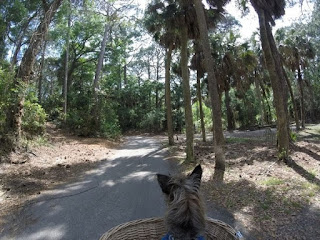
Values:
[(121, 189)]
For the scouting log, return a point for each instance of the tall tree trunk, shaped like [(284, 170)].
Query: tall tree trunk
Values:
[(157, 98), (125, 81), (168, 95), (158, 69), (259, 97), (157, 87), (65, 83), (100, 59), (95, 110), (44, 46), (22, 33), (284, 91), (120, 81), (267, 109), (26, 68), (300, 83), (203, 128), (214, 94), (277, 84), (149, 68), (295, 109), (230, 118), (51, 87), (186, 94), (312, 99)]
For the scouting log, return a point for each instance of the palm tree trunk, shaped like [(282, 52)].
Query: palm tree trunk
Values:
[(295, 109), (312, 100), (187, 95), (168, 95), (214, 94), (277, 86), (266, 105), (203, 128), (303, 117), (259, 97), (230, 118)]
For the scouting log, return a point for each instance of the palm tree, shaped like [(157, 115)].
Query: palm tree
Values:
[(159, 22), (213, 87), (197, 63), (268, 11), (296, 52), (224, 71), (184, 30), (172, 24)]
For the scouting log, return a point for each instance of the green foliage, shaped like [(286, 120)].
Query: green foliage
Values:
[(272, 181), (109, 123), (247, 109), (293, 136), (34, 118), (196, 116), (111, 129), (130, 89), (6, 81), (177, 107), (138, 109), (153, 120), (53, 107)]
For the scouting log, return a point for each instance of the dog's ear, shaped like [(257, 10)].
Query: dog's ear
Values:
[(196, 175), (164, 182)]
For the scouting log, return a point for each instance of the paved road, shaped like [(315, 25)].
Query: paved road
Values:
[(123, 188)]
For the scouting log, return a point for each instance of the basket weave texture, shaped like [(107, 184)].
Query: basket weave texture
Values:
[(154, 229)]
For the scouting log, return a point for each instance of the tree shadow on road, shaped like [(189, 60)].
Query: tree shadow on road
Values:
[(117, 190)]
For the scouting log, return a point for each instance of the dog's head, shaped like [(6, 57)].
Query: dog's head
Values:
[(191, 182)]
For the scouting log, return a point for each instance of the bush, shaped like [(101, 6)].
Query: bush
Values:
[(153, 120), (111, 130), (80, 117), (6, 81), (34, 119), (53, 107), (196, 116)]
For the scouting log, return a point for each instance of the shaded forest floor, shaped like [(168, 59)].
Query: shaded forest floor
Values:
[(53, 160), (270, 199)]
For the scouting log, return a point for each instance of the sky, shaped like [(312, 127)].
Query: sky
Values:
[(250, 22)]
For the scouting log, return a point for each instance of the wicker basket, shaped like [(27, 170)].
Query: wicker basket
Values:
[(154, 229)]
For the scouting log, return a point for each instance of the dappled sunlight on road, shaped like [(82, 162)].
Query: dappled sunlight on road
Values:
[(121, 188), (142, 175), (49, 233)]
